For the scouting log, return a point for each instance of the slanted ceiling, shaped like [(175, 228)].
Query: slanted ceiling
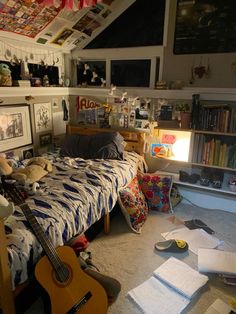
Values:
[(30, 23)]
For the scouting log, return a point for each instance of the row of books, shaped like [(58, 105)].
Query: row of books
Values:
[(214, 151), (221, 118), (216, 118)]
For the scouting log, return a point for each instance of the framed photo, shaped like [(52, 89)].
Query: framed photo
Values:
[(15, 126), (45, 139), (43, 117), (27, 153)]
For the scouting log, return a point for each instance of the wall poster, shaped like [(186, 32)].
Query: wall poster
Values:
[(205, 26)]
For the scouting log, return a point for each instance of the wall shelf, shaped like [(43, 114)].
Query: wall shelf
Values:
[(217, 94), (33, 91)]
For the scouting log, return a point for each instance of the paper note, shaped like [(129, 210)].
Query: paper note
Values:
[(181, 277), (153, 297), (197, 238), (219, 307), (170, 289), (215, 261)]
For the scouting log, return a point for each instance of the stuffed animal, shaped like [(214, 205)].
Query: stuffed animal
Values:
[(5, 75), (5, 167), (36, 168), (6, 208)]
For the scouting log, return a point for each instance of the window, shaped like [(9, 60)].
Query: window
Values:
[(133, 73)]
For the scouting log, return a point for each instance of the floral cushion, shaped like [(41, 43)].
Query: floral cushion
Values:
[(156, 189), (133, 205)]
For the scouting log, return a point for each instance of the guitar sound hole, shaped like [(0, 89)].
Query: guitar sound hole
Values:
[(63, 273)]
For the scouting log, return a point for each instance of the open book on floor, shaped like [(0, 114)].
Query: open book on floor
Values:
[(170, 289)]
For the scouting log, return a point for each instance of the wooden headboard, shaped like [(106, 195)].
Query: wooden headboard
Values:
[(135, 139)]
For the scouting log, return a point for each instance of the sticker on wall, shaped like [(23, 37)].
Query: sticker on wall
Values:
[(43, 117)]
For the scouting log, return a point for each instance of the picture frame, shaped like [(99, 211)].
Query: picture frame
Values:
[(27, 153), (43, 117), (45, 139), (15, 126)]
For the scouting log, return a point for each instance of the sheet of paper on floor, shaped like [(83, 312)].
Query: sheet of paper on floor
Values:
[(170, 289), (154, 297), (219, 307), (197, 238), (215, 261)]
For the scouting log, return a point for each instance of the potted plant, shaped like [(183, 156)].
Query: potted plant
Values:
[(185, 114)]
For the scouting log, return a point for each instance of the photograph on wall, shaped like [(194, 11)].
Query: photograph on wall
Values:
[(87, 24), (15, 127), (45, 139), (161, 150), (62, 37), (27, 153), (43, 117), (205, 26)]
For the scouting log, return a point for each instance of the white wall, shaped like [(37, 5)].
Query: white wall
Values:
[(178, 67)]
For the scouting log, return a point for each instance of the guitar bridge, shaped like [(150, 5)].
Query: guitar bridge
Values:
[(80, 303)]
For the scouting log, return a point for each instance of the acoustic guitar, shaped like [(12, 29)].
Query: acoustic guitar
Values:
[(70, 289)]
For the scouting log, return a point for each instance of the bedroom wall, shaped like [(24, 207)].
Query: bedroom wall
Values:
[(55, 110), (178, 67)]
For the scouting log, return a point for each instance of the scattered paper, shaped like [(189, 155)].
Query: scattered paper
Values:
[(219, 307), (197, 238), (215, 261), (153, 297), (181, 277), (170, 289)]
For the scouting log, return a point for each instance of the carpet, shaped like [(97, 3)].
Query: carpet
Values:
[(131, 258)]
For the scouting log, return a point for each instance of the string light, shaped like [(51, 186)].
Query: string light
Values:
[(14, 54)]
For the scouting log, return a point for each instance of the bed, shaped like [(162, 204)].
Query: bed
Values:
[(73, 197)]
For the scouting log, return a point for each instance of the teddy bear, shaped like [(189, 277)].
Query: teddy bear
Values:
[(5, 75), (35, 169), (5, 167), (6, 208)]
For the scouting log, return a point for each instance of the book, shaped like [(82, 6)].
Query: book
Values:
[(216, 261), (170, 289)]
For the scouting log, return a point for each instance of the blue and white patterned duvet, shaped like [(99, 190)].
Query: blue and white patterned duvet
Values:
[(74, 196)]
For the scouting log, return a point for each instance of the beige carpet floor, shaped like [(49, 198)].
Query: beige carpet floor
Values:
[(131, 258)]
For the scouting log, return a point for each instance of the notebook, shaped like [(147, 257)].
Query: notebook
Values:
[(170, 289)]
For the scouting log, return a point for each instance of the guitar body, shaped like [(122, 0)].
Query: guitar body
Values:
[(79, 294)]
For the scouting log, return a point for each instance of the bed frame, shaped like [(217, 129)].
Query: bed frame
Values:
[(135, 141)]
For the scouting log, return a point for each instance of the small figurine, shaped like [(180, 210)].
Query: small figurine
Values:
[(5, 75)]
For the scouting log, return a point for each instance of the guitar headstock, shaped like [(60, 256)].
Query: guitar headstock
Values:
[(11, 191)]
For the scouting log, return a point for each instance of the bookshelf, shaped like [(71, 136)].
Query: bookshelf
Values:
[(212, 147)]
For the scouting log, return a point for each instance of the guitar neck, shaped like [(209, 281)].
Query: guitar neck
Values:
[(45, 241)]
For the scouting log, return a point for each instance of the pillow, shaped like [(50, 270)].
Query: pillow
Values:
[(133, 205), (157, 189), (105, 145)]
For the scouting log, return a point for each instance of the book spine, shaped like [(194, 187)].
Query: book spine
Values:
[(195, 112)]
